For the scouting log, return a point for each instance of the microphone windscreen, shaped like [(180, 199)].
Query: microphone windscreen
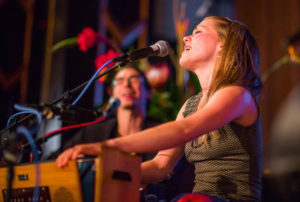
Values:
[(162, 47)]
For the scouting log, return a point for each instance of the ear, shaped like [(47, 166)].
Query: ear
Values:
[(219, 48)]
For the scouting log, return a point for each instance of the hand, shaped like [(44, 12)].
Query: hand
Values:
[(77, 151)]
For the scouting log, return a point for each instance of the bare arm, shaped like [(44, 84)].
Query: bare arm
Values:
[(232, 103), (163, 163)]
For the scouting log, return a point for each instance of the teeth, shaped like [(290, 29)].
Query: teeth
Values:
[(188, 48)]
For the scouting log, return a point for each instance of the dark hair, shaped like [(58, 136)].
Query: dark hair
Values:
[(146, 83)]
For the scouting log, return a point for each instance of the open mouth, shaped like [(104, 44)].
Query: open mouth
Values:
[(187, 48)]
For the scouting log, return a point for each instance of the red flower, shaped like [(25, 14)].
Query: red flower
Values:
[(157, 75), (102, 59), (87, 38), (195, 198)]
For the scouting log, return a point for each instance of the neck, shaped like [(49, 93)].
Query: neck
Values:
[(205, 75), (130, 120)]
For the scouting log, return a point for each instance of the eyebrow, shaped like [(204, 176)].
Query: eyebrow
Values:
[(199, 26), (135, 75)]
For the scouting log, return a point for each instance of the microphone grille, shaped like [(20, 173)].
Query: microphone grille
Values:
[(113, 101), (162, 47)]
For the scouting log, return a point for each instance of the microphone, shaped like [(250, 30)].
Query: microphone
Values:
[(67, 113), (113, 103), (160, 49), (76, 114)]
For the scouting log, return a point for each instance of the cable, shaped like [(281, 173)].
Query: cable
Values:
[(17, 114), (27, 134), (34, 111), (90, 81), (36, 191), (74, 126)]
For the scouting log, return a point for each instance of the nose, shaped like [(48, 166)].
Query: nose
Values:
[(187, 38), (127, 82)]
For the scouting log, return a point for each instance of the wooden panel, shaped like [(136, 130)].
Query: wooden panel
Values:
[(64, 184), (110, 163), (117, 178)]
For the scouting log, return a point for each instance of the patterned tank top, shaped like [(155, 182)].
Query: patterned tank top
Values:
[(228, 162)]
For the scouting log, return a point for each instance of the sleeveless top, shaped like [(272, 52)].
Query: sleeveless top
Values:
[(229, 162)]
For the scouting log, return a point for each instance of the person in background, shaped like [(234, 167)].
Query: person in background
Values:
[(218, 129), (130, 86)]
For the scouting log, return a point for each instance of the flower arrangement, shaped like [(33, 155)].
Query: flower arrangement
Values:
[(87, 38)]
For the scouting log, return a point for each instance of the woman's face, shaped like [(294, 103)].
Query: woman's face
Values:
[(202, 47), (129, 87)]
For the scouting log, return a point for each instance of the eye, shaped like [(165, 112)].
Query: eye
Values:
[(118, 81), (197, 32)]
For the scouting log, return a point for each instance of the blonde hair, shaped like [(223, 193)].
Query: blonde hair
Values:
[(239, 61)]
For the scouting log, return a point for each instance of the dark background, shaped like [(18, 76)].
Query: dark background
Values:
[(271, 22)]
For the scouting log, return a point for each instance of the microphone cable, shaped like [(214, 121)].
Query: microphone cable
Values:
[(73, 127), (90, 82)]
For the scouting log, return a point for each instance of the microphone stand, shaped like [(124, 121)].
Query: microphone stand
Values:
[(121, 61), (293, 59), (5, 133), (65, 96), (275, 67)]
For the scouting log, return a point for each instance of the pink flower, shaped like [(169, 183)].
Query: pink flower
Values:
[(195, 198), (157, 75), (102, 59), (87, 38)]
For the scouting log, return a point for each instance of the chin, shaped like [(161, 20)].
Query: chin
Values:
[(128, 106), (183, 63), (185, 66)]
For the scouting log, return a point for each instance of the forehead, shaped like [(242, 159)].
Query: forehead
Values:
[(127, 72), (206, 24)]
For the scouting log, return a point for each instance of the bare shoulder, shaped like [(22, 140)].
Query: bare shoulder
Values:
[(234, 90), (240, 99), (233, 94)]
